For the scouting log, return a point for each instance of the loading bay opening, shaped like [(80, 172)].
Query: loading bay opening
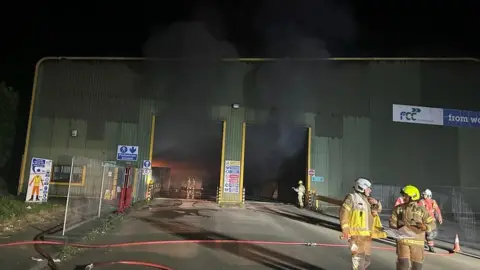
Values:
[(187, 158), (275, 160)]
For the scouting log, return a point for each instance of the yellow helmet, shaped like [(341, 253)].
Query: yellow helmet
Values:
[(412, 191)]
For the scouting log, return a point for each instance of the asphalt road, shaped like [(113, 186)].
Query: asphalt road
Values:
[(167, 220)]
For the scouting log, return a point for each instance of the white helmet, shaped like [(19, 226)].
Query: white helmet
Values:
[(300, 182), (361, 184), (427, 192)]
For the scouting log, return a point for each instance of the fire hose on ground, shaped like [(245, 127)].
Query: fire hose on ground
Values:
[(172, 242)]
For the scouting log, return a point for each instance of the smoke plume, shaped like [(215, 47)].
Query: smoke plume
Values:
[(284, 90), (287, 88)]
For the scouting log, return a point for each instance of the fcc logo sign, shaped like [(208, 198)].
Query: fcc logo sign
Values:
[(410, 115)]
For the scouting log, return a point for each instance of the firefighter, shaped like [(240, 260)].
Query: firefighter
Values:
[(416, 219), (399, 199), (356, 220), (435, 212), (301, 192)]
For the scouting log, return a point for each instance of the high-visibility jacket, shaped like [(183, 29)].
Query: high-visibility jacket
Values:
[(432, 208), (356, 215), (301, 190), (37, 180), (410, 214)]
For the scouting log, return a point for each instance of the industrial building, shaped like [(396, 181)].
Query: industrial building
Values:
[(343, 105)]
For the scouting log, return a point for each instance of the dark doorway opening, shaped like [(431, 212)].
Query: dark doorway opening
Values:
[(275, 160), (190, 150)]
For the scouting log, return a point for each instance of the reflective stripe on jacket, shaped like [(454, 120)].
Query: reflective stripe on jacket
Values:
[(410, 214), (355, 214)]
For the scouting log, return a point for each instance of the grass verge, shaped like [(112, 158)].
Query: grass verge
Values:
[(15, 212)]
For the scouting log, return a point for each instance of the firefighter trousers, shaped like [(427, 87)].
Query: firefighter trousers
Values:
[(410, 256), (300, 200), (361, 257), (430, 237)]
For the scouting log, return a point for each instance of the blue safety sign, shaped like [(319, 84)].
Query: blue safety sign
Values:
[(127, 153), (147, 164)]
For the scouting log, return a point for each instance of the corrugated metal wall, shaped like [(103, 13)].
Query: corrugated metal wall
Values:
[(98, 100), (394, 153), (234, 119), (365, 142), (349, 105)]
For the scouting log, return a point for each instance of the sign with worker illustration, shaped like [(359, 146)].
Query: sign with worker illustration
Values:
[(39, 180), (231, 181)]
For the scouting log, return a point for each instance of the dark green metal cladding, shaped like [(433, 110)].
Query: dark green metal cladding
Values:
[(348, 105), (358, 138), (97, 100), (233, 138)]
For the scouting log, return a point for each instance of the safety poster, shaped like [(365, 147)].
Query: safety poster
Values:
[(231, 182)]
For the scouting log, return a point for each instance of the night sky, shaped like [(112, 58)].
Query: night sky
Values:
[(258, 28), (31, 30)]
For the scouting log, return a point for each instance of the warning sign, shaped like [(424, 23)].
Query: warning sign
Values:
[(231, 182)]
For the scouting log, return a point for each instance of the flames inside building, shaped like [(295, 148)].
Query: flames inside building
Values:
[(187, 157)]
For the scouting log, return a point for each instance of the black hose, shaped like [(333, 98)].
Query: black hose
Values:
[(40, 237)]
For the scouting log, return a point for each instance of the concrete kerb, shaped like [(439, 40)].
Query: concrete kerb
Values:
[(97, 228)]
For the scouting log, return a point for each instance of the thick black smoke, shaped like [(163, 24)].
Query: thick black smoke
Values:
[(305, 28), (287, 88), (190, 85), (282, 91)]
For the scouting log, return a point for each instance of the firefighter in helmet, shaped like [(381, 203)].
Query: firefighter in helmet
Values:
[(416, 219), (435, 212), (357, 218), (301, 192)]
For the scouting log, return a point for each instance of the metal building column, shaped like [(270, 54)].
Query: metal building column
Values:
[(309, 160), (222, 163)]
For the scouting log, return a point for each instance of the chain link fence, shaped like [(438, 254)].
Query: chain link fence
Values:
[(93, 189), (459, 205)]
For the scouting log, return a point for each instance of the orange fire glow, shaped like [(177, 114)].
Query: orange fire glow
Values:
[(176, 165)]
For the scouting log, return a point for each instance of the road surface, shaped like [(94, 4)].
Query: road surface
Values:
[(167, 220)]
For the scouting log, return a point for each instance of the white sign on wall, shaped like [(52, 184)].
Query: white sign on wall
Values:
[(39, 180), (417, 115)]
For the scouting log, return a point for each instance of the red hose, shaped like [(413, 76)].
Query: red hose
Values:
[(170, 242), (137, 263)]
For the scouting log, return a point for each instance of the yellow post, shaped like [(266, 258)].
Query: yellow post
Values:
[(152, 141), (29, 127), (309, 157), (222, 161), (242, 162), (152, 138)]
